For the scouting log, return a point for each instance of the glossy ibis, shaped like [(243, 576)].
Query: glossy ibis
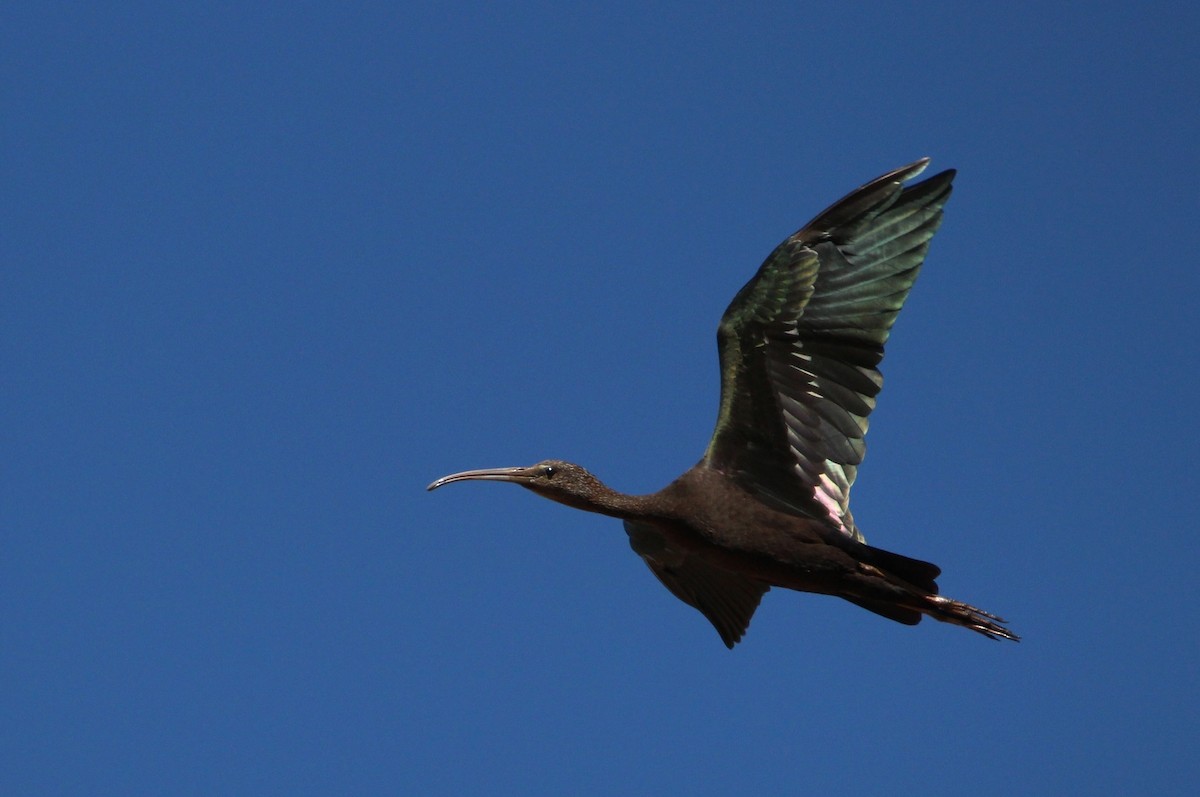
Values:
[(769, 503)]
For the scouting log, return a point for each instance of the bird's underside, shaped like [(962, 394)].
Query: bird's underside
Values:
[(723, 559), (769, 503)]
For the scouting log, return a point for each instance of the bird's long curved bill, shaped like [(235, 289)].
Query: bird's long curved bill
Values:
[(482, 474)]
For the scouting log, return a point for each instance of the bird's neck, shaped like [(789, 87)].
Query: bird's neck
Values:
[(604, 500), (614, 504)]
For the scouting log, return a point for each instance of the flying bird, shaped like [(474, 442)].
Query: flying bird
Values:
[(769, 503)]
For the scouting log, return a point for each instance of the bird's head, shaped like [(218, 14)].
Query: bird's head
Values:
[(555, 479)]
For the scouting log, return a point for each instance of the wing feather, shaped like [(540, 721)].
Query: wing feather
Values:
[(801, 342), (727, 599)]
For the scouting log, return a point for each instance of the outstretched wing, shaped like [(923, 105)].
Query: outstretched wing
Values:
[(727, 599), (801, 342)]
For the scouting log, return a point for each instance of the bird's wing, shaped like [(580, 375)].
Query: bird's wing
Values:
[(801, 342), (727, 599)]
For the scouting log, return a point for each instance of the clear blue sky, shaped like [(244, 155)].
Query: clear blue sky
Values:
[(267, 272)]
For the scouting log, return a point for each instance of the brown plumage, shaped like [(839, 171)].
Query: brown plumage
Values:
[(768, 505)]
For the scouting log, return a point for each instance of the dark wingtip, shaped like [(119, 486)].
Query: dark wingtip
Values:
[(872, 196), (911, 170)]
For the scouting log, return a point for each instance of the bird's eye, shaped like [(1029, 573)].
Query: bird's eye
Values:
[(548, 471)]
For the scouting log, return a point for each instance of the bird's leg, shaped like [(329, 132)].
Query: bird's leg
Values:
[(949, 610)]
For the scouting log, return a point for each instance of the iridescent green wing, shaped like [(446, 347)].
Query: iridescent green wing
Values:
[(801, 343)]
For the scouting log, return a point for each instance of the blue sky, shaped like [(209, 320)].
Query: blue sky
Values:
[(268, 271)]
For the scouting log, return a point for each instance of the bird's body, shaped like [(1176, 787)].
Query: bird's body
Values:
[(768, 504)]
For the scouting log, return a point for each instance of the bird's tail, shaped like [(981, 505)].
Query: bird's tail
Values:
[(915, 581), (914, 572)]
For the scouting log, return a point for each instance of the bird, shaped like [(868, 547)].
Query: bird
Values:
[(768, 505)]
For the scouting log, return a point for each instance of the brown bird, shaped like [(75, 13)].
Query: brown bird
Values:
[(769, 504)]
